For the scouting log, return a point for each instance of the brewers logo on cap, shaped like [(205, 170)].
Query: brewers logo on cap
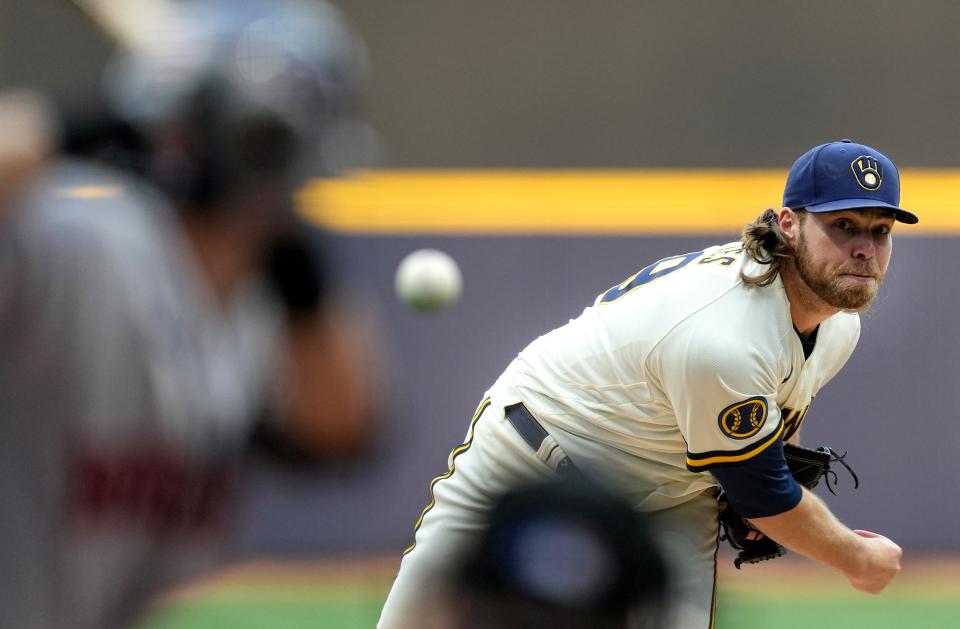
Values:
[(868, 171), (743, 419)]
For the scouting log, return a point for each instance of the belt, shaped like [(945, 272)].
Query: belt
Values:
[(534, 434)]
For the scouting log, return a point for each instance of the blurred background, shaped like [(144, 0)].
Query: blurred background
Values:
[(555, 147)]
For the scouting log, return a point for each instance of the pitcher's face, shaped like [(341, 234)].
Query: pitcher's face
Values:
[(843, 256)]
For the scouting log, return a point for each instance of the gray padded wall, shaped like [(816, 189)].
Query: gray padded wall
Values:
[(891, 406)]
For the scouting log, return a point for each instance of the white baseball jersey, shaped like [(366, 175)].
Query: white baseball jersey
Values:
[(680, 368), (126, 391)]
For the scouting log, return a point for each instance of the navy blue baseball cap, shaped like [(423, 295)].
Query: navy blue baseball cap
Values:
[(845, 175)]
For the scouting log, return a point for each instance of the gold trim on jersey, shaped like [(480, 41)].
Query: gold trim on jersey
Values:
[(696, 464), (792, 419), (463, 447), (713, 599)]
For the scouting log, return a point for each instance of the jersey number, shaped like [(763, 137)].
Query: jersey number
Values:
[(659, 269)]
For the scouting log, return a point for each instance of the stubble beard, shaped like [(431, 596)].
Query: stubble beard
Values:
[(830, 286)]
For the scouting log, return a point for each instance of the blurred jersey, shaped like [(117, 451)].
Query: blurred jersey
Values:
[(126, 393)]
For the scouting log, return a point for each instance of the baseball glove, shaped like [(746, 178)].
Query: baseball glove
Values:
[(808, 467)]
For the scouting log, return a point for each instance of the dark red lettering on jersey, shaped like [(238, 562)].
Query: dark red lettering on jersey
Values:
[(151, 489)]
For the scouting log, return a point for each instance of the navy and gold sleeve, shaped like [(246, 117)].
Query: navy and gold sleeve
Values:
[(760, 486)]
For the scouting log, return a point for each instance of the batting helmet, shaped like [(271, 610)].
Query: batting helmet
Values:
[(230, 92)]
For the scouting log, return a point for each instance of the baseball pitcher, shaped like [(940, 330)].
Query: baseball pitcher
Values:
[(688, 378)]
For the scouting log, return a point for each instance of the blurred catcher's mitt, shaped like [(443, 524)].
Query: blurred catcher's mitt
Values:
[(807, 467)]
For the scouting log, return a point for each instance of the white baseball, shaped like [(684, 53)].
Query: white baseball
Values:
[(428, 280)]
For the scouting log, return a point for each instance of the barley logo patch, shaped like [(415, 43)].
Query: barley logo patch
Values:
[(744, 419)]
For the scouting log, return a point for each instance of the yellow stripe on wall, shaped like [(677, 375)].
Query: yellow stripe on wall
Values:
[(585, 201)]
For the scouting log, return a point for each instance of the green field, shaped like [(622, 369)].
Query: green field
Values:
[(347, 595)]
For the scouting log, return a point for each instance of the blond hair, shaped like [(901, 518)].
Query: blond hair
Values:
[(765, 242)]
